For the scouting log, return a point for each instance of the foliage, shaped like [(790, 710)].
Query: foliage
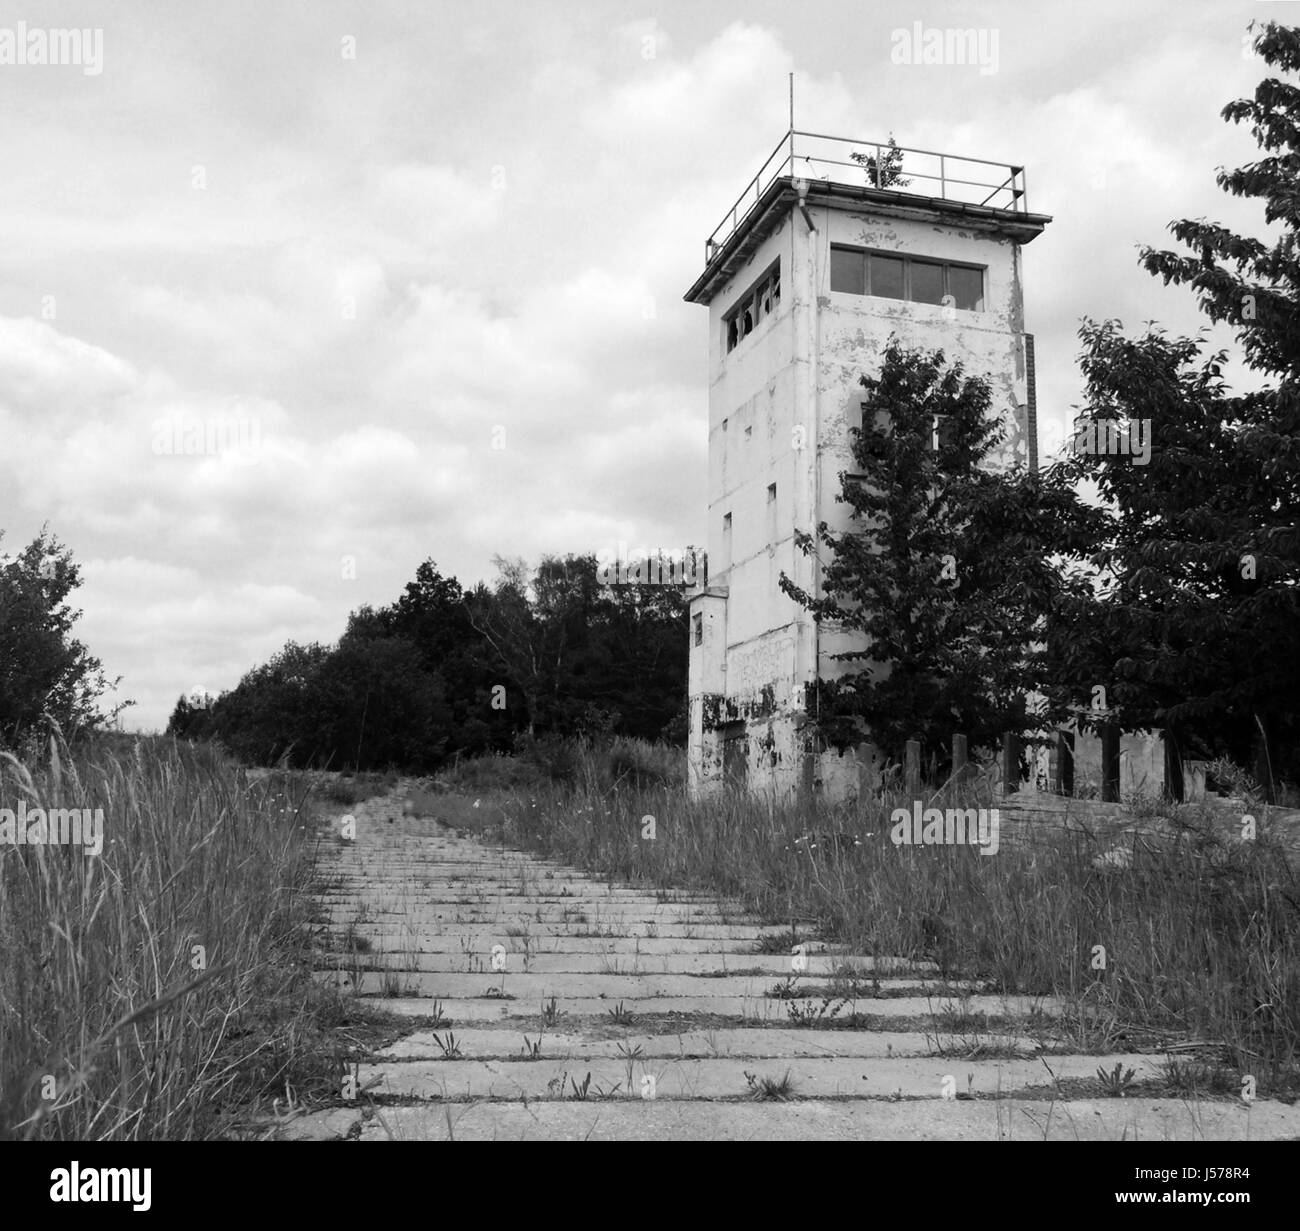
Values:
[(885, 172), (447, 674), (1198, 563), (48, 680), (945, 574)]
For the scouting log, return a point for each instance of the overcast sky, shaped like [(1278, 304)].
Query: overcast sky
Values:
[(379, 233)]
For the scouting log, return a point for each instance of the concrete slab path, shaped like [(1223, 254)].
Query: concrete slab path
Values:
[(543, 1003)]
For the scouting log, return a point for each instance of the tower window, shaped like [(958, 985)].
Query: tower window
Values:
[(856, 271), (699, 630), (756, 304), (848, 271), (966, 286), (927, 282), (886, 277)]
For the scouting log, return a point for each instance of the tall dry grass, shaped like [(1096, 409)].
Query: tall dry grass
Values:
[(1200, 934), (146, 991)]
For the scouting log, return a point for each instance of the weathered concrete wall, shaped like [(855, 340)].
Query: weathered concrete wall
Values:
[(1141, 764), (760, 437), (854, 330)]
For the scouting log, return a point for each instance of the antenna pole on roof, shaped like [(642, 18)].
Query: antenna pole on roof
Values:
[(792, 102)]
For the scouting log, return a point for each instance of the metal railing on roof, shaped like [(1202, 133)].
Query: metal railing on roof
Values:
[(878, 164)]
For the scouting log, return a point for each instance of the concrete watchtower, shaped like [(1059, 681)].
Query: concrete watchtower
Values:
[(835, 245)]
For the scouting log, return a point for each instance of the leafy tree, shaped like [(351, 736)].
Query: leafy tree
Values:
[(587, 658), (885, 172), (525, 647), (1199, 561), (270, 714), (642, 637), (46, 675), (373, 705), (1164, 632), (436, 615), (946, 576)]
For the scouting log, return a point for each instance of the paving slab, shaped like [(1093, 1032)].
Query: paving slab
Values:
[(557, 958), (760, 1008), (759, 1044), (817, 1077), (404, 940), (651, 985), (845, 1120)]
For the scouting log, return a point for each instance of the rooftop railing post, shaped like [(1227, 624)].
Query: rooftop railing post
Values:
[(943, 185)]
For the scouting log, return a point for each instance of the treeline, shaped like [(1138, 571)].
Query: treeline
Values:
[(446, 672)]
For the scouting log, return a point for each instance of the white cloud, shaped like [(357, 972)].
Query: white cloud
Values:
[(484, 221)]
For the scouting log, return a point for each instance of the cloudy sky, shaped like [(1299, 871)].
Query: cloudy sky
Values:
[(432, 255)]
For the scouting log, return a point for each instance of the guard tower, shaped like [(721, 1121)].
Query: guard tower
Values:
[(835, 245)]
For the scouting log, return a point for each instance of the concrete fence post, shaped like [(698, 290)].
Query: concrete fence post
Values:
[(959, 761), (1110, 764), (1063, 770), (1010, 763), (912, 768)]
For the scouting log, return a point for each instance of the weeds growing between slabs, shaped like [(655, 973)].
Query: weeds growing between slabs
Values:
[(1189, 942), (159, 989)]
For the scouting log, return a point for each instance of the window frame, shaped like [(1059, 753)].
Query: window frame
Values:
[(908, 261), (761, 300)]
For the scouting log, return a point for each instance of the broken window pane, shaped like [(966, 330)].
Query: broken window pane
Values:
[(887, 277), (967, 288), (846, 271), (927, 282)]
